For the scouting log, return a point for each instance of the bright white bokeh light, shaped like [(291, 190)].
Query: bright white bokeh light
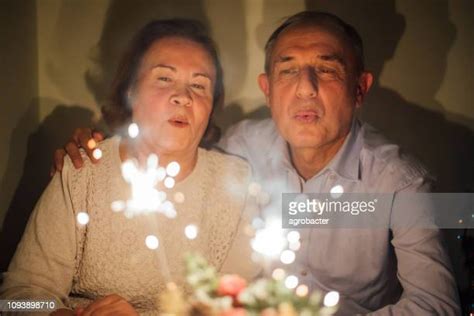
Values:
[(117, 206), (97, 153), (291, 281), (152, 161), (269, 241), (82, 218), (160, 173), (179, 197), (133, 130), (169, 182), (191, 231), (302, 290), (278, 274), (287, 257), (337, 191), (173, 168), (331, 299), (293, 236), (295, 246), (152, 242)]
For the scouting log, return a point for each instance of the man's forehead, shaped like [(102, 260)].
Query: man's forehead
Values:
[(318, 41), (304, 35)]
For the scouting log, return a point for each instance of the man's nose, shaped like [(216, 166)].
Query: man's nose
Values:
[(307, 84), (181, 97)]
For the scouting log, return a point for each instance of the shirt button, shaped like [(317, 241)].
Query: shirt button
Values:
[(304, 273)]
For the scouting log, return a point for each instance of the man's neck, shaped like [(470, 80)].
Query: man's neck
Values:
[(309, 161)]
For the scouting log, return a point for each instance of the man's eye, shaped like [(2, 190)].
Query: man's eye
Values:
[(165, 79), (326, 70), (288, 71), (198, 86)]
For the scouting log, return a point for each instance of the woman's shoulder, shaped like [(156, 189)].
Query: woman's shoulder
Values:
[(107, 150), (227, 165)]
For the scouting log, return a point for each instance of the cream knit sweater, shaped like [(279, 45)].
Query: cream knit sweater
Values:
[(75, 264)]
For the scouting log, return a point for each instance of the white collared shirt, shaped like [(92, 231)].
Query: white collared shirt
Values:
[(390, 271)]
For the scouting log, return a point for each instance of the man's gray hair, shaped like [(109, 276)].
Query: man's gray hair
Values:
[(323, 19)]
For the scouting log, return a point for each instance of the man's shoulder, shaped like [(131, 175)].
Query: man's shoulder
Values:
[(253, 127), (386, 161), (249, 136)]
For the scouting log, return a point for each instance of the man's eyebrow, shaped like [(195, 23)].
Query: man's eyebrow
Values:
[(282, 59), (333, 57)]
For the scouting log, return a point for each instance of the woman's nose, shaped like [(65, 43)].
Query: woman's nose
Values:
[(181, 97)]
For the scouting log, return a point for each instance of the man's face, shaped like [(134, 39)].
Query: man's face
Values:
[(312, 89)]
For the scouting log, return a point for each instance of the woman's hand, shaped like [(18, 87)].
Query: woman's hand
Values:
[(110, 305), (81, 138), (63, 312)]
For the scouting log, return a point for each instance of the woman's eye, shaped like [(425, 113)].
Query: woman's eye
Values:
[(326, 70), (165, 79)]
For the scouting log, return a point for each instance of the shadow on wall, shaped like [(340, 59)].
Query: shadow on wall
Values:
[(446, 148), (54, 131)]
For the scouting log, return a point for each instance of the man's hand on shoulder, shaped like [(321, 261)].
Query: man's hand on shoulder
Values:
[(85, 138)]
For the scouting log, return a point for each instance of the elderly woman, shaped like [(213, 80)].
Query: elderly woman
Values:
[(168, 83)]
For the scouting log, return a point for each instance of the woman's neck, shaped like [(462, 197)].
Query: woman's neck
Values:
[(139, 150)]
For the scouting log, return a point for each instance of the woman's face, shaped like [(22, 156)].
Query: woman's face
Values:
[(172, 97)]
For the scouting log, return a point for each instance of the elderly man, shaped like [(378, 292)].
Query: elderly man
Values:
[(314, 81)]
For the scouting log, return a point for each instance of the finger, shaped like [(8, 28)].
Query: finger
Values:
[(58, 160), (94, 306), (74, 153), (87, 142), (119, 308), (76, 135), (98, 135)]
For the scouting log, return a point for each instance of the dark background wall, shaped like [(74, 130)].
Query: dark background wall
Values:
[(58, 57)]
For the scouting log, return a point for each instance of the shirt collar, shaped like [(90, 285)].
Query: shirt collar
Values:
[(345, 163)]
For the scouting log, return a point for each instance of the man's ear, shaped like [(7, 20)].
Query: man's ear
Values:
[(263, 83), (363, 86)]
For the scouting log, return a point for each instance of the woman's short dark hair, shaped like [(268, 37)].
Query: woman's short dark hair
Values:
[(117, 111), (323, 19)]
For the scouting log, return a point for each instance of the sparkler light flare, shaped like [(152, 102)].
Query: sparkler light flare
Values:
[(152, 242), (91, 144), (191, 231), (269, 241), (82, 218), (133, 130), (172, 169), (146, 198), (336, 191), (291, 281), (278, 274), (287, 257), (331, 299), (97, 153), (302, 290)]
